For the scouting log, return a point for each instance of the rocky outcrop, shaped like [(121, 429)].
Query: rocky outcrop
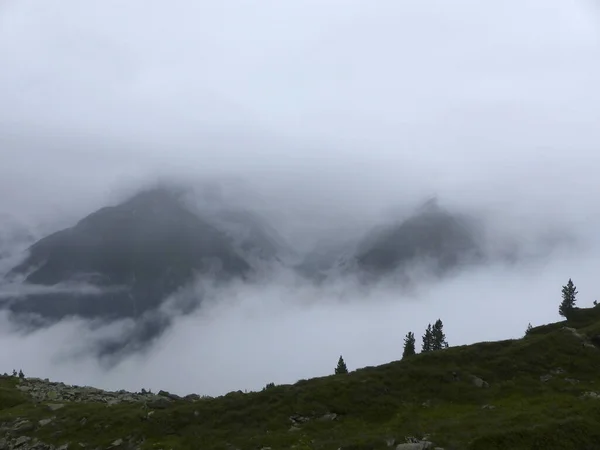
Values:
[(56, 394)]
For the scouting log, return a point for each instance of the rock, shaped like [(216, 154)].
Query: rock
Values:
[(571, 380), (297, 419), (294, 428), (411, 446), (3, 444), (330, 416), (488, 407), (23, 426), (415, 444), (55, 406), (480, 383), (20, 441), (45, 422), (117, 442), (169, 395), (390, 442), (592, 395), (545, 378)]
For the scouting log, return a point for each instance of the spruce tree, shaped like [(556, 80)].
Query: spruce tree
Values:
[(427, 340), (529, 328), (341, 366), (569, 293), (409, 345), (438, 341)]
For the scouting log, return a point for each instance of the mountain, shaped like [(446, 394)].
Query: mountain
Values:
[(432, 236), (252, 236), (133, 255), (537, 392)]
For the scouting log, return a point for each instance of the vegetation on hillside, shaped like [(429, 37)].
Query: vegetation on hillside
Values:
[(537, 392)]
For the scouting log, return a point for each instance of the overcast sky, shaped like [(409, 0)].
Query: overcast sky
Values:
[(333, 110)]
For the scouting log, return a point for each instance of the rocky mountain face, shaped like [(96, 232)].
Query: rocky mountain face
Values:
[(135, 254)]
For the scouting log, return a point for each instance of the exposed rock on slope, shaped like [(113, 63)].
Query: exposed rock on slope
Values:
[(136, 253)]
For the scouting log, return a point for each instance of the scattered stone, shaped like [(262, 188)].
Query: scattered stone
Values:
[(390, 442), (480, 383), (592, 395), (488, 407), (330, 416), (571, 380), (294, 428), (22, 440), (45, 422), (545, 378), (117, 443), (297, 419), (414, 446), (59, 393), (169, 395)]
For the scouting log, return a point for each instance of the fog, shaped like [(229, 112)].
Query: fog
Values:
[(327, 118)]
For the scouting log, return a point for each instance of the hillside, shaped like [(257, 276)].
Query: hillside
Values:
[(538, 392)]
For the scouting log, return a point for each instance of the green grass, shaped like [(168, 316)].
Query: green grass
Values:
[(404, 398)]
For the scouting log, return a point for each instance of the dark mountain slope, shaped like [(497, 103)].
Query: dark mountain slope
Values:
[(137, 253), (432, 235)]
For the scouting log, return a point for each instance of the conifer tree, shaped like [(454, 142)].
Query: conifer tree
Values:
[(529, 328), (438, 341), (409, 345), (427, 340), (341, 366), (569, 293)]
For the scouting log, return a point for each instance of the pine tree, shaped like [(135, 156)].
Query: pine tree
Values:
[(438, 341), (427, 340), (21, 374), (341, 366), (409, 345), (529, 328), (569, 292)]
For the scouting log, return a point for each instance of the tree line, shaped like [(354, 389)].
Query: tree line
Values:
[(433, 339)]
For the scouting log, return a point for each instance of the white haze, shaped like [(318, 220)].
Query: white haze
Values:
[(326, 117)]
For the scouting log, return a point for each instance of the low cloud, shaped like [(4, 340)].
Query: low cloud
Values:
[(249, 334)]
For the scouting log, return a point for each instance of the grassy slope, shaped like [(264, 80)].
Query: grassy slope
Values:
[(375, 403)]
